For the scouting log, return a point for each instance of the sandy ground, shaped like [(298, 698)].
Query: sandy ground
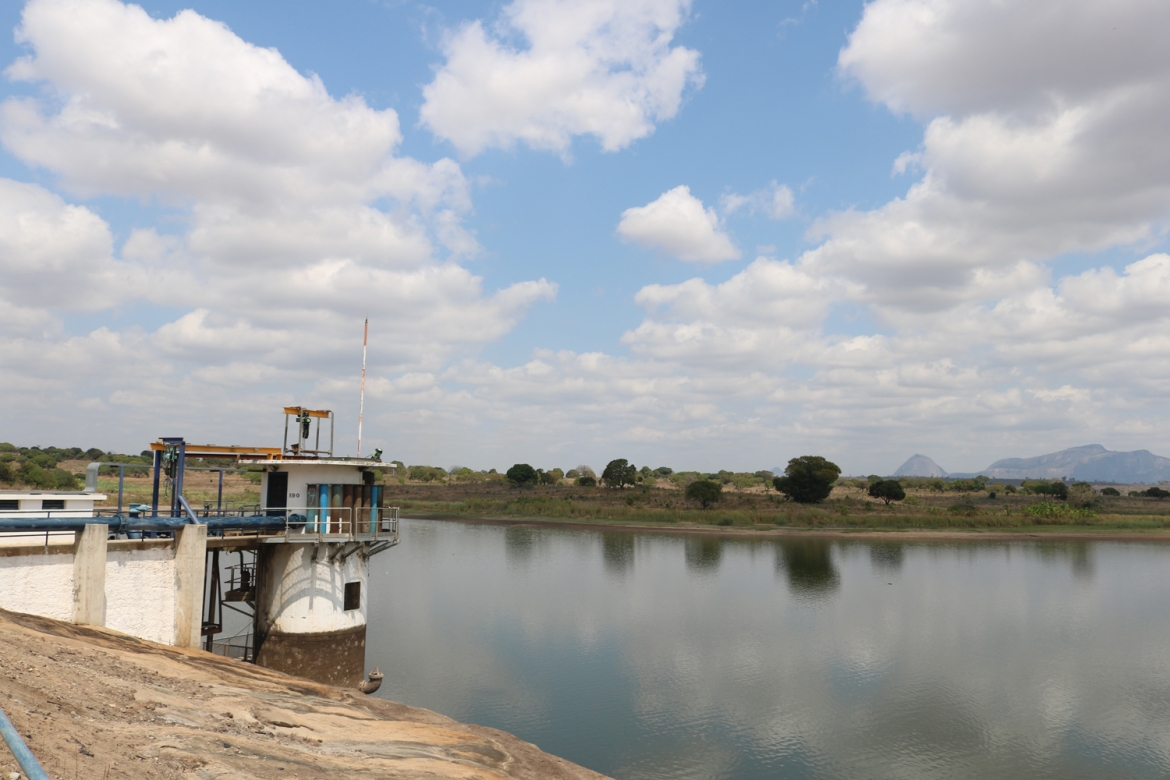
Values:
[(95, 704)]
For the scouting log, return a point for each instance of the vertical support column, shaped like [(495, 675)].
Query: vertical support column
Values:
[(190, 563), (363, 516), (157, 474), (312, 503), (336, 515), (89, 575)]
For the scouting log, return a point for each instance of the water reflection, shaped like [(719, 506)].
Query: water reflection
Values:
[(703, 553), (978, 660), (519, 541), (808, 566), (617, 549), (886, 556)]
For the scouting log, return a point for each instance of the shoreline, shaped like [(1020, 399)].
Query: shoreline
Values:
[(1022, 533)]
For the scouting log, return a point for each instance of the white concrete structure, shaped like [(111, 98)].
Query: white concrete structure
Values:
[(47, 503), (148, 588), (306, 592)]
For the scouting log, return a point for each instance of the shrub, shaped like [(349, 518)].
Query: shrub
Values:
[(1048, 511), (1110, 491), (887, 490), (1156, 492), (585, 481), (808, 479), (619, 473), (426, 474), (522, 474), (1082, 495), (705, 492), (1056, 489)]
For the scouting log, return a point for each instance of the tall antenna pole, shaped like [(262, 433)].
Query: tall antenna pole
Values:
[(362, 402)]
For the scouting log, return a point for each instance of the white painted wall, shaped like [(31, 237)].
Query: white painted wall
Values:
[(301, 475), (140, 593), (30, 503), (140, 588), (308, 596), (38, 584)]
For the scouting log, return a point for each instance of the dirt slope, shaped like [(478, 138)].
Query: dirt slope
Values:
[(92, 703)]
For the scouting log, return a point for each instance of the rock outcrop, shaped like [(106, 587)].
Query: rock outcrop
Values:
[(919, 466), (94, 703)]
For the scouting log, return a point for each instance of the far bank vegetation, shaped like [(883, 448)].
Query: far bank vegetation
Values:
[(625, 493)]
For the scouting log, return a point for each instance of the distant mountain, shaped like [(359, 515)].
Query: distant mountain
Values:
[(1091, 463), (919, 466)]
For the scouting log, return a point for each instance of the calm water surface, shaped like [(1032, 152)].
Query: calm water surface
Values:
[(650, 656)]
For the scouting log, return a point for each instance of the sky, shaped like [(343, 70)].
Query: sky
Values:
[(690, 234)]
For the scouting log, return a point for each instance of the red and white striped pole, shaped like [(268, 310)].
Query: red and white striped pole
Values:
[(362, 402)]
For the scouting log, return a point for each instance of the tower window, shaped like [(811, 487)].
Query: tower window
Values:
[(353, 595)]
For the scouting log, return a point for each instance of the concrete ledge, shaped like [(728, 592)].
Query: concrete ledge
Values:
[(58, 546)]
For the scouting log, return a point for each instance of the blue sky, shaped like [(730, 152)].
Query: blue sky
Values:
[(884, 246)]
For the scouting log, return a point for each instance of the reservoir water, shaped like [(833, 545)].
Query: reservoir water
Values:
[(656, 656)]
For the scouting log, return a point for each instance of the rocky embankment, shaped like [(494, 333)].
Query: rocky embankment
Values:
[(92, 703)]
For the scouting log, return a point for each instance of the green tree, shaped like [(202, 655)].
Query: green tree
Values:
[(808, 479), (1110, 491), (705, 492), (1156, 492), (887, 490), (619, 473), (585, 481), (522, 474)]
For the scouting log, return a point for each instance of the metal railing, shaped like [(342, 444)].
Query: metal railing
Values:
[(296, 524), (239, 646)]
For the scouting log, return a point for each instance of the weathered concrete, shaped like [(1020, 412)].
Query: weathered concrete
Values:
[(89, 576), (334, 658), (190, 564), (37, 580), (140, 588)]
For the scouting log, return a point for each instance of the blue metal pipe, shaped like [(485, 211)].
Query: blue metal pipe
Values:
[(24, 758), (124, 524)]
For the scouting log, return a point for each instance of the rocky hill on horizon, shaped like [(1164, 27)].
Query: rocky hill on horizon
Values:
[(1090, 463), (920, 466)]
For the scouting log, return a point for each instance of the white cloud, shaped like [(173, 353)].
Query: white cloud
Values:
[(1043, 122), (774, 202), (293, 220), (677, 223), (57, 256), (765, 316), (591, 67)]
